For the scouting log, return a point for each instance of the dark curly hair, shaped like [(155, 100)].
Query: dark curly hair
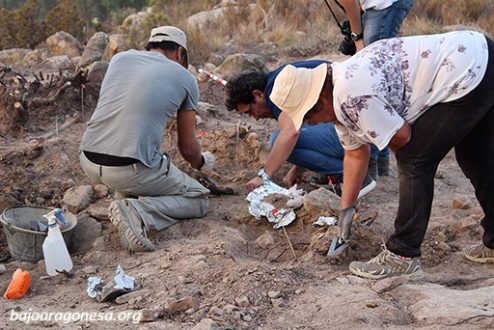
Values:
[(240, 87)]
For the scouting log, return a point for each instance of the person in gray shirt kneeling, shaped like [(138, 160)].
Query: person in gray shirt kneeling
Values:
[(121, 145)]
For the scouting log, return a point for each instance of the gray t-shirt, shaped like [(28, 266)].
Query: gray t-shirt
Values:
[(140, 92)]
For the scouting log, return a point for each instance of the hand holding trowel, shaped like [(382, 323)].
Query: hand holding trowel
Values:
[(340, 241), (205, 175)]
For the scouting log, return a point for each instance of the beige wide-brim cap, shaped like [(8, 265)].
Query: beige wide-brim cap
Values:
[(169, 33), (296, 90)]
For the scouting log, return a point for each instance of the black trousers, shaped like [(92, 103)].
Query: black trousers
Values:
[(467, 124)]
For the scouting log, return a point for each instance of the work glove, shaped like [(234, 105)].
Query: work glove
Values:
[(209, 160), (345, 221)]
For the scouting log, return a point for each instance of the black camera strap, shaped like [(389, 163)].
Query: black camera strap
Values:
[(332, 12)]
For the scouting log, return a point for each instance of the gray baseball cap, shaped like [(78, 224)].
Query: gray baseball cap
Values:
[(169, 33)]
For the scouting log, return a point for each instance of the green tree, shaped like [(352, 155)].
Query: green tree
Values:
[(112, 5), (65, 17), (7, 29), (29, 30), (11, 4)]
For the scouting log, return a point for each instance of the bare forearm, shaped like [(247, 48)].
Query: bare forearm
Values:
[(352, 9), (355, 166), (192, 154), (282, 148)]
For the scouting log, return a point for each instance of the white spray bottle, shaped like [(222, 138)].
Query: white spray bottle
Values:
[(57, 257)]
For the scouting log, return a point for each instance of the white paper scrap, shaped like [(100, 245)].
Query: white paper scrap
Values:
[(325, 221), (122, 280)]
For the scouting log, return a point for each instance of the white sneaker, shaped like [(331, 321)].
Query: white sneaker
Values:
[(367, 186)]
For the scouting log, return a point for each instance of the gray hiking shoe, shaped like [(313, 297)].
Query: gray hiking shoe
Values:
[(130, 228), (387, 264), (479, 253)]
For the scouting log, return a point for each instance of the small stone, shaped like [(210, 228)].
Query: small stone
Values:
[(101, 190), (206, 324), (229, 309), (216, 313), (277, 303), (465, 224), (77, 198), (371, 304), (3, 269), (247, 318), (237, 316), (182, 305), (274, 294), (460, 203), (109, 292), (266, 240), (202, 265), (299, 291), (91, 269), (242, 301), (150, 315), (355, 280), (388, 284)]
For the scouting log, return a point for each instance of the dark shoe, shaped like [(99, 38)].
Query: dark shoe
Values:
[(327, 181), (383, 166), (130, 228), (372, 169), (324, 181)]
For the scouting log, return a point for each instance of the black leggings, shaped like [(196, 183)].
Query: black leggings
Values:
[(467, 124)]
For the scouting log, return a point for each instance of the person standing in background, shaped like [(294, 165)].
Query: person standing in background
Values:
[(372, 20)]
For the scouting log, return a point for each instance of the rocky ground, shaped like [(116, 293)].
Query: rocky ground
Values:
[(228, 270)]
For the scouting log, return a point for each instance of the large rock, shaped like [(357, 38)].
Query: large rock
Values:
[(116, 44), (237, 63), (321, 202), (85, 234), (94, 49), (133, 27), (13, 56), (97, 72), (35, 57), (55, 63), (77, 198), (438, 305), (63, 43), (201, 19)]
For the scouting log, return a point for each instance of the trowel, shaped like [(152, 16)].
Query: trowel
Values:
[(338, 245), (341, 241)]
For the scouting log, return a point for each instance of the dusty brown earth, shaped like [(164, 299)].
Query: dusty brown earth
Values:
[(229, 267)]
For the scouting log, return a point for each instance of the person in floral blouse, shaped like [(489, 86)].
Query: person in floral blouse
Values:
[(421, 96)]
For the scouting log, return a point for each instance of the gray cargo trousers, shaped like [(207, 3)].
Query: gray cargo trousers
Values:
[(166, 194)]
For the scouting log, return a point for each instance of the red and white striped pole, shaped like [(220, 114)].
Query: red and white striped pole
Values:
[(214, 77)]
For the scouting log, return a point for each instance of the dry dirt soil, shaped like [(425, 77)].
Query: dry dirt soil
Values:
[(229, 267)]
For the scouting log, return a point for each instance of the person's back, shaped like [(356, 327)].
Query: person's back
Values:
[(140, 92), (121, 146)]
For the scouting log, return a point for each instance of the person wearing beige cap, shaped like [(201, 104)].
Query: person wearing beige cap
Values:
[(421, 96), (120, 148)]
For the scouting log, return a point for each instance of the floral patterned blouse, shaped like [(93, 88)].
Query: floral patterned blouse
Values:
[(397, 80)]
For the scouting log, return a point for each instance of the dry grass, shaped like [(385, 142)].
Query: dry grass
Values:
[(440, 14), (304, 27)]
